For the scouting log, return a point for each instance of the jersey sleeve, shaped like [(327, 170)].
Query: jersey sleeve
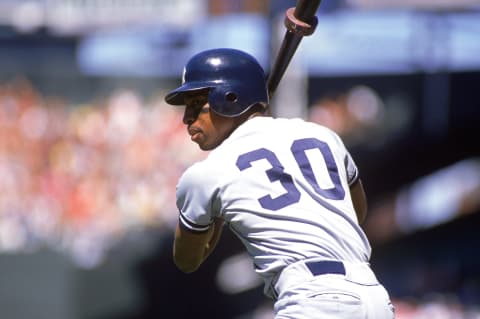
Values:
[(352, 169), (350, 166), (195, 199)]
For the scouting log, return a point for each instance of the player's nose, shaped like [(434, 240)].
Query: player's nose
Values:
[(188, 116)]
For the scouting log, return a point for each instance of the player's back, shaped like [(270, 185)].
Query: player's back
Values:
[(282, 185), (286, 192)]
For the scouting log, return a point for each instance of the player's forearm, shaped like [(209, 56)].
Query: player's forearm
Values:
[(217, 232), (185, 262), (189, 249)]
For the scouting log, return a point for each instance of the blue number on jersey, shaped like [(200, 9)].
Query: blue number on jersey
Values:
[(298, 149), (276, 173)]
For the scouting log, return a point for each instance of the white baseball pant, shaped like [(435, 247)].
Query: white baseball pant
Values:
[(322, 289)]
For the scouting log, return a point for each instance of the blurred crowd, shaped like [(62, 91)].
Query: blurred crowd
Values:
[(76, 178), (437, 306)]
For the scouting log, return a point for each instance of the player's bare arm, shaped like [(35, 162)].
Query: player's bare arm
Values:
[(190, 249), (359, 200), (217, 232)]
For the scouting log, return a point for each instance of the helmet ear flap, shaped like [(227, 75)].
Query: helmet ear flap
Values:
[(225, 100)]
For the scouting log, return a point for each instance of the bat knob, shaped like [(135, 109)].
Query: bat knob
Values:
[(297, 26)]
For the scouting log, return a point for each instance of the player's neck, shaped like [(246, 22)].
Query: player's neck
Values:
[(255, 114)]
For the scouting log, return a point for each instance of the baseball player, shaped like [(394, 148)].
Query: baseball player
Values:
[(287, 188)]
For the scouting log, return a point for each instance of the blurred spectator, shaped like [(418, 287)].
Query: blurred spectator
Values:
[(355, 114)]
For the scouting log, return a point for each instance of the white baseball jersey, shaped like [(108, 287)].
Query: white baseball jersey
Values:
[(282, 186)]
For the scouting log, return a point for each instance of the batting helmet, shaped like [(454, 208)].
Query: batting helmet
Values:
[(235, 79)]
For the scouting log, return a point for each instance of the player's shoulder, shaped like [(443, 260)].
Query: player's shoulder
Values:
[(207, 170), (299, 124), (266, 123), (195, 175), (199, 168)]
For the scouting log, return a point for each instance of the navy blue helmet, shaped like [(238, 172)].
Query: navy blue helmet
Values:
[(235, 80)]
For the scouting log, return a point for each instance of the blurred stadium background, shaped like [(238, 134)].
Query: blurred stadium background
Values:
[(90, 154)]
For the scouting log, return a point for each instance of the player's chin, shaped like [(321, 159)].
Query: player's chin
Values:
[(205, 147), (205, 143), (201, 144), (199, 140)]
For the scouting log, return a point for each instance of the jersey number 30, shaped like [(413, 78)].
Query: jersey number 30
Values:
[(277, 173)]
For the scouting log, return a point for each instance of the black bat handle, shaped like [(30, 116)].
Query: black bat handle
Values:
[(301, 24), (306, 9)]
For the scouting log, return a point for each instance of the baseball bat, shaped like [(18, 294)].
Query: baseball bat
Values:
[(300, 21)]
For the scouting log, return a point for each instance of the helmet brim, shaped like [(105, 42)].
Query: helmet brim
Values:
[(177, 96)]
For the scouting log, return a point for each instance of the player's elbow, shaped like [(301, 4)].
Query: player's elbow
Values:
[(186, 268), (185, 265)]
